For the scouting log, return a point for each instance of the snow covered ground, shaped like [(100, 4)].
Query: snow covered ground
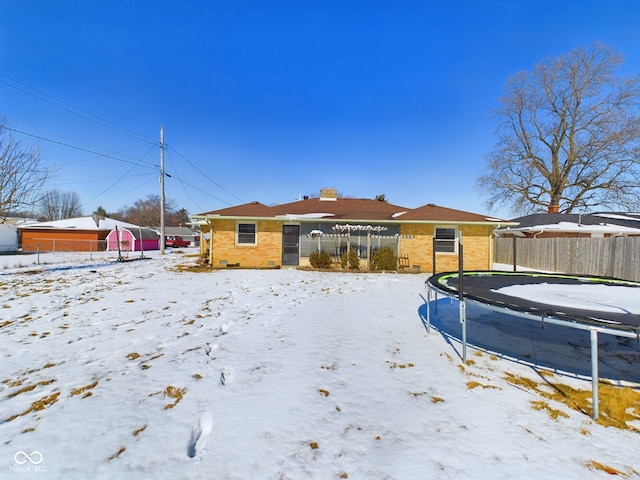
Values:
[(138, 370)]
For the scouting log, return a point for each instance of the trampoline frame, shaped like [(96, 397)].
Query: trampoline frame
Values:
[(542, 317)]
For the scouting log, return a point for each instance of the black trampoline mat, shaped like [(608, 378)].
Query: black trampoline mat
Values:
[(485, 286)]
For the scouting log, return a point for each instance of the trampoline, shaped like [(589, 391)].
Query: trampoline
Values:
[(597, 304)]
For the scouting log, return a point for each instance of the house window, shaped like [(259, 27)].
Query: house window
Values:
[(445, 240), (246, 233)]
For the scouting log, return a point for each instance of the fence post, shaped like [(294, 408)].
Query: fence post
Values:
[(613, 257)]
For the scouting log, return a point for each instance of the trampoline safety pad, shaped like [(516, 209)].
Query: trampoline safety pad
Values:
[(611, 304)]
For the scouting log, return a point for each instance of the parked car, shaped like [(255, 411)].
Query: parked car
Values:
[(176, 242)]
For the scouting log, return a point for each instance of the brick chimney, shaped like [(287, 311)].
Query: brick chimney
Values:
[(328, 194), (554, 209)]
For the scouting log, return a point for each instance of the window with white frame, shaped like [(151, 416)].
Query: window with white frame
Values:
[(246, 233), (445, 240)]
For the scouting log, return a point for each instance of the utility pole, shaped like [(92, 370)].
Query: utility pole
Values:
[(161, 190)]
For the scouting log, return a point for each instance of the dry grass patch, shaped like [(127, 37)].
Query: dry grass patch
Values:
[(195, 268), (394, 365), (38, 405), (138, 431), (593, 465), (120, 451), (433, 398), (28, 388), (553, 412), (12, 383), (175, 393), (473, 384), (84, 390), (521, 381), (618, 406)]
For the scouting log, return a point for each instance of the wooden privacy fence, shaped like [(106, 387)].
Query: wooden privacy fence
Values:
[(610, 257)]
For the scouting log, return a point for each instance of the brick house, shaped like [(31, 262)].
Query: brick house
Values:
[(254, 235), (574, 225)]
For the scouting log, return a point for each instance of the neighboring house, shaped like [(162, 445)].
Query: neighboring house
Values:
[(556, 225), (255, 235), (9, 233), (177, 236), (71, 234), (132, 239)]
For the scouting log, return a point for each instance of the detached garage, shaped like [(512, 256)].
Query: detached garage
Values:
[(81, 234)]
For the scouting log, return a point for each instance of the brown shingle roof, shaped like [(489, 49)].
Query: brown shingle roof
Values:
[(352, 209), (342, 208), (252, 209), (431, 212)]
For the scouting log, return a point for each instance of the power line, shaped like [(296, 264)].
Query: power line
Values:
[(206, 176), (119, 179), (186, 192), (68, 107), (72, 108), (184, 182), (103, 155), (106, 123)]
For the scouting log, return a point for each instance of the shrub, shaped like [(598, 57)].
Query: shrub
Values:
[(351, 259), (203, 258), (384, 259), (320, 260)]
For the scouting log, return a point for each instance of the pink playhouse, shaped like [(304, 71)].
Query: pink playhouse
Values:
[(133, 239)]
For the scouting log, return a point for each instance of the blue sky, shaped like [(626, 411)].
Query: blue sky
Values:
[(270, 100)]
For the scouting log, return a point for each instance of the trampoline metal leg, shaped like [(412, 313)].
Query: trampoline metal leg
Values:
[(594, 373), (463, 321), (428, 310)]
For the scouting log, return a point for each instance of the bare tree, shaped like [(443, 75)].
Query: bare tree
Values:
[(178, 218), (21, 174), (146, 212), (57, 205), (568, 137)]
